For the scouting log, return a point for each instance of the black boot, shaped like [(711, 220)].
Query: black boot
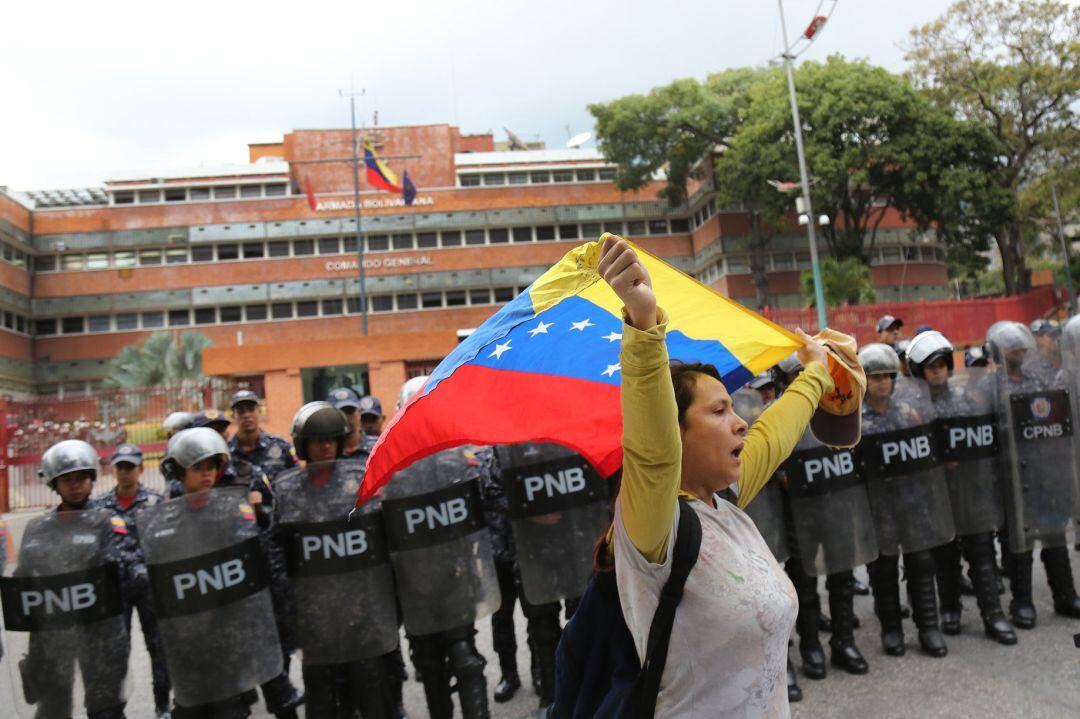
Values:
[(1021, 608), (885, 583), (794, 693), (978, 549), (842, 607), (467, 666), (510, 682), (919, 567), (949, 575), (808, 621), (1060, 578)]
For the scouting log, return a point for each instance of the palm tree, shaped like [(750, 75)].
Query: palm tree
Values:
[(846, 281), (159, 360)]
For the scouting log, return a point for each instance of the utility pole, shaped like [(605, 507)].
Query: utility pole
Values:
[(356, 209), (1064, 251), (815, 265)]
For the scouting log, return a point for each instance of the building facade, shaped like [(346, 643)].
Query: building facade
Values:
[(262, 258)]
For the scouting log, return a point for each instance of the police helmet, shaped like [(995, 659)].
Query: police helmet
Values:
[(790, 364), (410, 388), (879, 358), (71, 455), (1070, 337), (901, 349), (762, 380), (975, 357), (177, 421), (191, 446), (927, 347), (318, 420), (1007, 336)]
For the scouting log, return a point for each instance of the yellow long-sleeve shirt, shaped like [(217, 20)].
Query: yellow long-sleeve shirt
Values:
[(652, 444)]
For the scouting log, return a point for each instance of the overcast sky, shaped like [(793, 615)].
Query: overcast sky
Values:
[(93, 89)]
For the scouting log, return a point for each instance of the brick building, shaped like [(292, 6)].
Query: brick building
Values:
[(242, 254)]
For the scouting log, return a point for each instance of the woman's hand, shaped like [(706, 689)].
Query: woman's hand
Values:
[(620, 267), (812, 351)]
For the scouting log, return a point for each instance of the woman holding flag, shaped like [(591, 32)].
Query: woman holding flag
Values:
[(682, 438)]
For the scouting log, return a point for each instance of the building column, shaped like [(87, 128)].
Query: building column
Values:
[(386, 379), (284, 396)]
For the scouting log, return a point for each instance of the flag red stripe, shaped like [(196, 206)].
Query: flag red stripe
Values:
[(481, 405)]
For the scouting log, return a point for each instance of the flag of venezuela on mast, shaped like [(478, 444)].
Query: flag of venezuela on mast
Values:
[(378, 174)]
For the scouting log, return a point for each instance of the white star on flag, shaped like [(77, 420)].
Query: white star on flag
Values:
[(613, 336), (497, 353), (581, 325), (611, 370), (540, 329)]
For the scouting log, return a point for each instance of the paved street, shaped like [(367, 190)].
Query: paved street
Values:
[(1040, 677)]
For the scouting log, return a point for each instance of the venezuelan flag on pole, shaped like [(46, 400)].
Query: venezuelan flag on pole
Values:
[(545, 368), (378, 174)]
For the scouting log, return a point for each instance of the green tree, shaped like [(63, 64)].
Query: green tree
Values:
[(1014, 68), (846, 282), (159, 360)]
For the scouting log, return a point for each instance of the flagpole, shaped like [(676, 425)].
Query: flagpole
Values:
[(356, 214)]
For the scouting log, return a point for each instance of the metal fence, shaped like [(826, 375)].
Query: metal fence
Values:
[(105, 419)]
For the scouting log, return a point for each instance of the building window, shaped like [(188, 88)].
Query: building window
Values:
[(568, 232), (224, 193), (303, 247), (123, 259), (523, 234), (635, 228), (498, 235), (233, 313), (451, 239), (562, 176), (278, 248), (332, 307), (20, 323), (71, 262), (474, 237), (783, 262), (45, 263), (147, 196), (591, 229), (176, 255), (44, 327), (275, 190), (679, 226), (382, 303), (545, 233), (149, 257), (606, 175), (281, 310), (518, 178), (176, 195), (254, 250), (613, 227), (198, 194), (100, 323), (378, 243), (251, 191), (123, 198), (205, 316), (230, 251), (495, 178), (403, 242), (307, 308), (406, 302), (430, 300), (97, 261), (202, 253), (348, 245), (329, 245), (539, 178), (911, 254), (427, 239), (658, 227), (255, 313), (150, 320), (179, 318), (455, 298), (504, 294), (480, 297), (469, 180), (586, 175)]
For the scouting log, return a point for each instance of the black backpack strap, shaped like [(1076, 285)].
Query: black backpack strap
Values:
[(684, 557)]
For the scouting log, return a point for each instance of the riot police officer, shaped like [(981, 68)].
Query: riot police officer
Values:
[(272, 454), (442, 558), (1039, 465), (96, 545), (126, 500), (908, 497), (339, 571), (177, 421), (964, 406)]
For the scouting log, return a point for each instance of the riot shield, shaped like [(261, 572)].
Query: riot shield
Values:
[(969, 447), (1035, 408), (1070, 360), (338, 564), (558, 505), (439, 544), (834, 527), (209, 582), (63, 608), (899, 457), (767, 508)]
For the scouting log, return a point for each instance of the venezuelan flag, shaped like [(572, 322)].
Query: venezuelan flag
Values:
[(545, 368), (378, 174)]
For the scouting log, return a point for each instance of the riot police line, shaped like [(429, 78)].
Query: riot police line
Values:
[(257, 553)]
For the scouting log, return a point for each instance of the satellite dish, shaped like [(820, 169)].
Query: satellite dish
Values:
[(516, 143), (579, 139)]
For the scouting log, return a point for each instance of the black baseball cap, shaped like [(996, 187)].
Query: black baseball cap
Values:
[(244, 395), (126, 453), (369, 404), (213, 418)]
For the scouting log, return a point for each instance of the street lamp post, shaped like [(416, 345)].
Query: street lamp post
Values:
[(819, 294)]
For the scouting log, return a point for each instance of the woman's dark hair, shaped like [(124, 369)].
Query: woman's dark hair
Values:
[(683, 378)]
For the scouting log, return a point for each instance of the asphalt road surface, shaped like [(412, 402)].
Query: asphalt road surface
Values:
[(1039, 677)]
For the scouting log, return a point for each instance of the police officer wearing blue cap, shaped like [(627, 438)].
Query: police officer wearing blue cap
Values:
[(357, 442), (126, 499), (271, 453)]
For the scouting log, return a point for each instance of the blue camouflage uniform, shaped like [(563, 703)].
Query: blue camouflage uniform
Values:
[(272, 454)]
